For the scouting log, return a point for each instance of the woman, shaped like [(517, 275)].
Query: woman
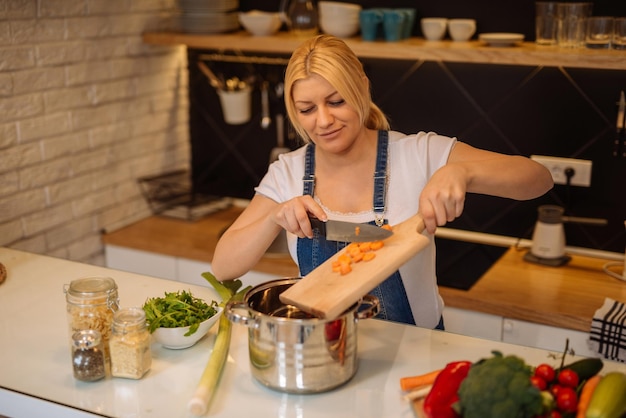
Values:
[(355, 169)]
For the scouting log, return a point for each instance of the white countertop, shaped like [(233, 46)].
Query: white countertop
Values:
[(36, 373)]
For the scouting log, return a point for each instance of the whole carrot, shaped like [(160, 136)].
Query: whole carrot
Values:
[(585, 395), (413, 382)]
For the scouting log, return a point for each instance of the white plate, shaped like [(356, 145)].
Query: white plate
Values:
[(501, 39)]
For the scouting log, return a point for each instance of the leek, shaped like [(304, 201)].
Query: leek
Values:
[(199, 403)]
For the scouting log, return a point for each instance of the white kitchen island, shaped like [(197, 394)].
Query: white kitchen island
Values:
[(36, 373)]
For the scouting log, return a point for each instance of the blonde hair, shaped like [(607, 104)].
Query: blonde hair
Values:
[(330, 58)]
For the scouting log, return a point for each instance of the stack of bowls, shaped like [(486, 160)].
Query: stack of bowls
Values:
[(339, 19), (201, 16)]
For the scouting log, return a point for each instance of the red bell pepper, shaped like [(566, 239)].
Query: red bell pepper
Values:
[(439, 401)]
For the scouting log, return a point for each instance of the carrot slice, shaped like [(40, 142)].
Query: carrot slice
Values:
[(345, 268), (376, 245), (344, 259), (413, 382), (368, 256), (356, 257)]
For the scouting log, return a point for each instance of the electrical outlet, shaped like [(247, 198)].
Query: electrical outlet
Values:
[(558, 165)]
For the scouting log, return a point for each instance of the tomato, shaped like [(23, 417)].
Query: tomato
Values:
[(567, 400), (546, 372), (332, 330), (568, 378), (555, 389), (538, 382), (555, 414)]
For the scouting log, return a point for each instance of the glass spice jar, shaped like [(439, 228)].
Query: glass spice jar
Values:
[(88, 355), (129, 344), (91, 303)]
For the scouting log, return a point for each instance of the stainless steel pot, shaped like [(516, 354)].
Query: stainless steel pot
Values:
[(292, 351)]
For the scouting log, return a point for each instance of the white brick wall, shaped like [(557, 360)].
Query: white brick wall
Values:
[(85, 109)]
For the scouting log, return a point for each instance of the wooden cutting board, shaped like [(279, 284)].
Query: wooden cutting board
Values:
[(327, 294)]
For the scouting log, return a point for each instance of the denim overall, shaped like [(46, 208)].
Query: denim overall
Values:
[(394, 304)]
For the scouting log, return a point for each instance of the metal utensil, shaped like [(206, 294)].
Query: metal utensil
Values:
[(266, 120), (280, 147), (620, 135), (213, 79), (348, 231)]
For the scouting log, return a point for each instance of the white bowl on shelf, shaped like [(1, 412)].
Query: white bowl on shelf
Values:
[(260, 23), (338, 8), (339, 19), (461, 29), (434, 28), (340, 29), (175, 338)]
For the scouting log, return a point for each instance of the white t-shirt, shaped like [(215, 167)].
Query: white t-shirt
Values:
[(412, 161)]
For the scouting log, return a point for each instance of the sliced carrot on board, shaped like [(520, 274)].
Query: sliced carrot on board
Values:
[(377, 245), (368, 256), (413, 382)]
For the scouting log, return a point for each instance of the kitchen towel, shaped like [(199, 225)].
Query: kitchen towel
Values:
[(608, 331)]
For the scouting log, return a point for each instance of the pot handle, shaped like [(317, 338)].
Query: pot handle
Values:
[(368, 307), (235, 317)]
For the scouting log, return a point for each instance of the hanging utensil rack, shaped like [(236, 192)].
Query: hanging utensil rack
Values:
[(247, 59)]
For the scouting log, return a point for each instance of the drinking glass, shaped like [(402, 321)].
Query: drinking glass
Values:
[(572, 18), (546, 22), (619, 34), (599, 32)]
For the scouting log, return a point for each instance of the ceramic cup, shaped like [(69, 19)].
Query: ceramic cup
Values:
[(235, 105), (409, 21), (370, 21), (599, 32), (434, 28), (393, 22), (461, 29), (546, 22)]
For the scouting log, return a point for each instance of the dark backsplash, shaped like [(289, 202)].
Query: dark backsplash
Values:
[(514, 109)]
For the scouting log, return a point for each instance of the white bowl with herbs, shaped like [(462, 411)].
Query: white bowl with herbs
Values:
[(179, 319)]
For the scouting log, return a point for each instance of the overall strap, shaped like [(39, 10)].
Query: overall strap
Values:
[(308, 180), (380, 178)]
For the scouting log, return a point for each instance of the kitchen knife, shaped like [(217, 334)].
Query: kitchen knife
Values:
[(348, 231), (621, 135)]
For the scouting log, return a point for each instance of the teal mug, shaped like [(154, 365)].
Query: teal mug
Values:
[(393, 24), (370, 20), (409, 21)]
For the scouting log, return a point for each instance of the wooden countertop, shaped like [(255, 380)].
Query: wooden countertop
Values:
[(193, 240), (565, 297), (527, 53)]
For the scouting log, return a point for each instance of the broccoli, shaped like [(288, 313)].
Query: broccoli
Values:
[(499, 387)]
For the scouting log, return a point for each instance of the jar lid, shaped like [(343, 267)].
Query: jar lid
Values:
[(129, 318), (86, 338), (91, 288)]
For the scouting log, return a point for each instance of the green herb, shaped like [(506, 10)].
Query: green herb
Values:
[(178, 309)]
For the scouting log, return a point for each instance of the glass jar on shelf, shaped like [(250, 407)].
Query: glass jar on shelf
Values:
[(301, 17)]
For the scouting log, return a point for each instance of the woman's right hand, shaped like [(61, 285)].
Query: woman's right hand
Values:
[(293, 215)]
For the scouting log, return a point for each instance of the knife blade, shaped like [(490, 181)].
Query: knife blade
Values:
[(621, 135), (348, 231)]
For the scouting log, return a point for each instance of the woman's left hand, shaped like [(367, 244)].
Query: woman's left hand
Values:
[(443, 198)]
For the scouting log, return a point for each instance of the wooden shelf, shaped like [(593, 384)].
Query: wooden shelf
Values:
[(527, 53)]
